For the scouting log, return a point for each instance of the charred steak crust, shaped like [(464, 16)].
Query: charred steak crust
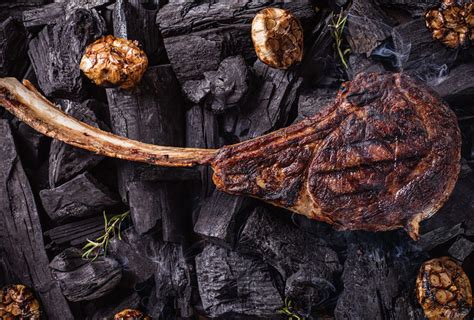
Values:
[(385, 155)]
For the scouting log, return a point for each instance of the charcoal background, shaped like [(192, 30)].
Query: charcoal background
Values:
[(189, 251)]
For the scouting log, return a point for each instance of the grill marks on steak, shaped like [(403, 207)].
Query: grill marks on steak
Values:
[(385, 155)]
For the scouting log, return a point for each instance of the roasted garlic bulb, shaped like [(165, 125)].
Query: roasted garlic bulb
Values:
[(17, 302), (111, 61), (452, 23), (131, 314), (277, 37), (443, 289)]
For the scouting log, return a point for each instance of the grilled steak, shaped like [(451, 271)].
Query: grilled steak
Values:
[(384, 155)]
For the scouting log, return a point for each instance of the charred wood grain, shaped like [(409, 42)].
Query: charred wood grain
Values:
[(220, 218), (13, 46), (80, 197), (198, 37), (133, 20), (66, 161), (461, 249), (416, 8), (453, 86), (233, 285), (311, 102), (21, 234), (56, 52), (81, 279)]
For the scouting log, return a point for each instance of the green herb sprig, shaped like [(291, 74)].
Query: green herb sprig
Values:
[(288, 310), (112, 227), (337, 27)]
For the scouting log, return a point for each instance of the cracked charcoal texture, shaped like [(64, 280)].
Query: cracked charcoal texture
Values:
[(56, 51), (13, 46), (66, 161), (19, 222), (234, 285), (81, 279), (80, 197)]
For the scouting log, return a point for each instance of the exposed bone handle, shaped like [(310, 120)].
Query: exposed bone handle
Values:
[(26, 103)]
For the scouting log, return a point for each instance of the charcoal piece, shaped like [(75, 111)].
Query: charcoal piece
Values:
[(145, 200), (13, 57), (176, 213), (359, 63), (367, 26), (82, 280), (314, 101), (229, 84), (196, 90), (417, 52), (172, 279), (35, 18), (130, 252), (66, 161), (461, 249), (75, 233), (454, 87), (416, 8), (132, 20), (57, 50), (21, 237), (132, 301), (197, 37), (231, 284), (202, 132), (285, 247), (435, 237), (270, 103), (79, 197), (219, 218), (151, 113), (379, 280), (29, 143)]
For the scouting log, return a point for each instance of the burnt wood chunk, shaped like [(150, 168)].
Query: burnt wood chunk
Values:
[(416, 8), (174, 286), (20, 231), (379, 281), (133, 20), (75, 233), (311, 102), (80, 197), (461, 249), (198, 37), (131, 253), (56, 51), (145, 201), (13, 45), (66, 161), (220, 217), (270, 103), (35, 18), (367, 26), (454, 86), (82, 280), (233, 285)]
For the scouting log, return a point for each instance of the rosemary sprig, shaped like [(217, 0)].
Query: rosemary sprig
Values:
[(338, 26), (288, 310), (93, 249)]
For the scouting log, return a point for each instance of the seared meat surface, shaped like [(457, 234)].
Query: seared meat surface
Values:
[(385, 155)]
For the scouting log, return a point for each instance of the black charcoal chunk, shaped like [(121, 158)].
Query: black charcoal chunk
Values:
[(133, 20), (196, 90), (79, 197), (229, 84), (461, 249), (416, 8), (269, 103), (36, 18), (417, 52), (360, 63), (132, 301), (367, 26), (66, 161), (57, 50), (21, 236), (311, 102), (219, 218), (75, 233), (30, 145), (85, 281), (233, 285), (454, 87), (131, 252), (285, 247), (198, 37), (379, 280), (13, 42), (172, 279), (145, 201)]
